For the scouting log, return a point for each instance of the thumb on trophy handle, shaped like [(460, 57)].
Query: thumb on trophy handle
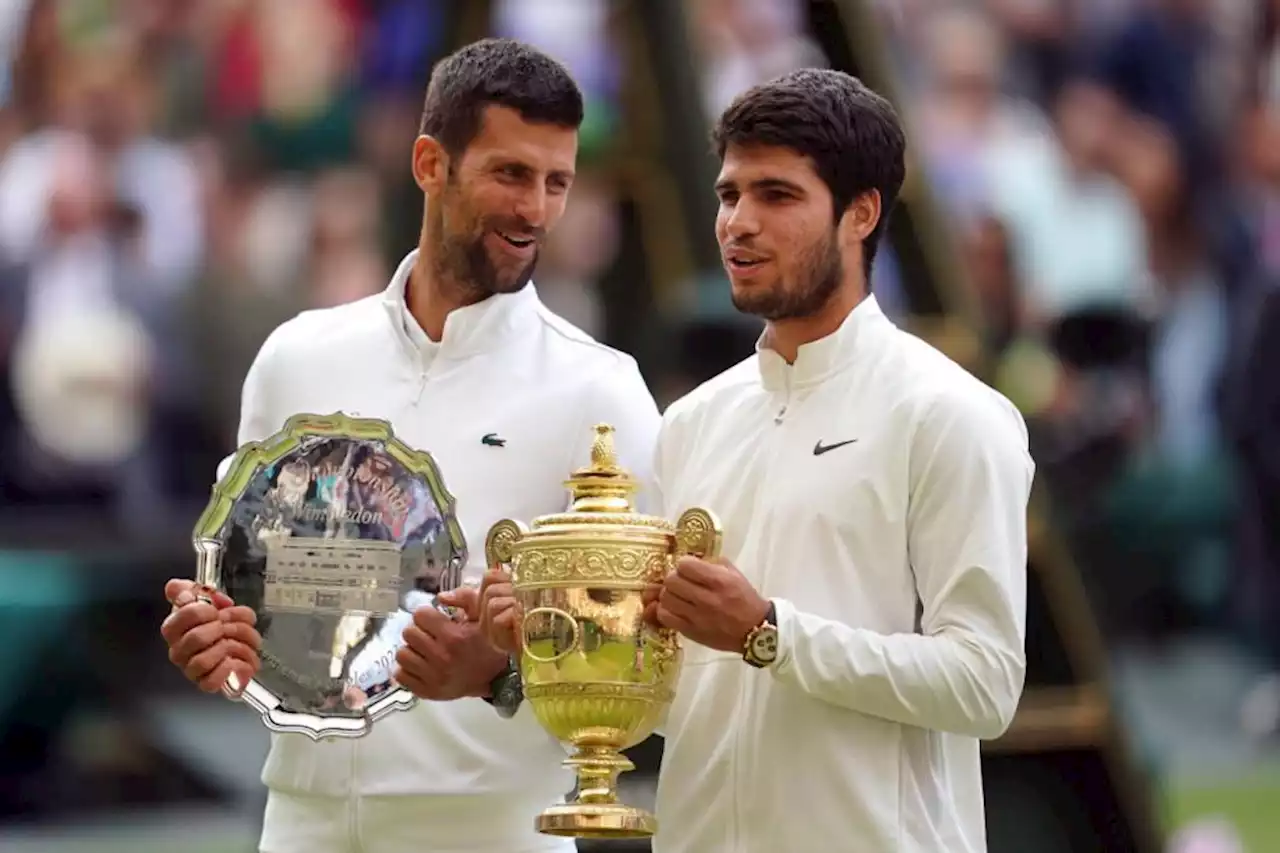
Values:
[(466, 599)]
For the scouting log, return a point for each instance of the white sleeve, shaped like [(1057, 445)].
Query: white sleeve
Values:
[(257, 420), (621, 399), (970, 480)]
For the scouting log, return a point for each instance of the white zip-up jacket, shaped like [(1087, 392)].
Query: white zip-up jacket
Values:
[(877, 493), (508, 367)]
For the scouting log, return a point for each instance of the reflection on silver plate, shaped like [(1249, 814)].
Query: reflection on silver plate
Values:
[(333, 531)]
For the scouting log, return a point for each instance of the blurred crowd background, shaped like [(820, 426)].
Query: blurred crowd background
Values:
[(179, 176)]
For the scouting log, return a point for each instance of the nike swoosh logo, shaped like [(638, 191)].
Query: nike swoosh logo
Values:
[(820, 448)]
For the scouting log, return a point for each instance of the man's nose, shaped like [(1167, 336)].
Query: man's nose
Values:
[(742, 221), (532, 207)]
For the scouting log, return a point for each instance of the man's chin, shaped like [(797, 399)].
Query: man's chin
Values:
[(513, 283), (507, 287), (763, 305)]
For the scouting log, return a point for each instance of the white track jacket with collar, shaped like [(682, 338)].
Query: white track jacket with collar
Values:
[(877, 493), (506, 368)]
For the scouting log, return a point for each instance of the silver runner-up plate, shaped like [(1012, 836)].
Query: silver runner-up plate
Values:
[(334, 532)]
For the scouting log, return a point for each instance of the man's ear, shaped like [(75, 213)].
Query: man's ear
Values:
[(430, 164), (860, 218)]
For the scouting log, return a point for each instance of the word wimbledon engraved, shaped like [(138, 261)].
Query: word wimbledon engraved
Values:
[(333, 531)]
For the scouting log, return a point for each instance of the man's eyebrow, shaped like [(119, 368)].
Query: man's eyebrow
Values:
[(763, 184), (776, 184)]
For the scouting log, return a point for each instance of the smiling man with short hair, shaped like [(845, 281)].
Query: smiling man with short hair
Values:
[(465, 362)]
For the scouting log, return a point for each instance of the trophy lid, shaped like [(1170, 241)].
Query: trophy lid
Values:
[(603, 485)]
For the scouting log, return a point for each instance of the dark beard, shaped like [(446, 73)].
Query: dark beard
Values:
[(466, 263), (463, 261), (819, 276)]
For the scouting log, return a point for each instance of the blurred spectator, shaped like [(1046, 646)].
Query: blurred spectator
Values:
[(965, 123), (1024, 369), (1078, 236), (1162, 63), (1173, 507), (101, 227), (1042, 48), (745, 42), (305, 96)]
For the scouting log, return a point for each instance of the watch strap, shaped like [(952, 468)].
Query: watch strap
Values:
[(506, 691)]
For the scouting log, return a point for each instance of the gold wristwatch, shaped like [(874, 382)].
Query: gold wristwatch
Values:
[(761, 647)]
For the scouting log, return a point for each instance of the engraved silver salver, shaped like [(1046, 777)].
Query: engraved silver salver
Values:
[(334, 532)]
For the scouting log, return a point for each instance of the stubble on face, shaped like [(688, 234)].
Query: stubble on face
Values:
[(463, 260), (802, 292)]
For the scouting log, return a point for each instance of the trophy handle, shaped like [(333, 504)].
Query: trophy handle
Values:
[(531, 621), (209, 579), (209, 563), (499, 545), (698, 534)]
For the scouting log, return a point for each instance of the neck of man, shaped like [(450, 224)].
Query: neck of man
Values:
[(786, 336), (430, 294)]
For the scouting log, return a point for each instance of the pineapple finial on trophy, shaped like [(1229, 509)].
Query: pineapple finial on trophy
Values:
[(604, 459), (603, 485)]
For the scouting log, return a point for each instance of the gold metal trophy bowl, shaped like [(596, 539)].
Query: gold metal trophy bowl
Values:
[(595, 674)]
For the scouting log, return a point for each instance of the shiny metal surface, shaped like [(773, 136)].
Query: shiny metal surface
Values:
[(333, 531), (598, 677)]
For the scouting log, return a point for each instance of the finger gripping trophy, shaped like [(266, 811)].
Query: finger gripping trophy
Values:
[(596, 675)]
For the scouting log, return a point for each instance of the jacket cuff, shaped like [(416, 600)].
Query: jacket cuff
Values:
[(785, 612)]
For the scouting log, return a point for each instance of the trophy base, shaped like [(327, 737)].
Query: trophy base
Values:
[(597, 820)]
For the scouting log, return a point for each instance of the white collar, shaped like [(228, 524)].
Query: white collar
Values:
[(468, 330), (818, 359)]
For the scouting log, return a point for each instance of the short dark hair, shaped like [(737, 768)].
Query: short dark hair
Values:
[(501, 72), (851, 135)]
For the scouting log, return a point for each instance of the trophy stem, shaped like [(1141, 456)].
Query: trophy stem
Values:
[(596, 813), (598, 768)]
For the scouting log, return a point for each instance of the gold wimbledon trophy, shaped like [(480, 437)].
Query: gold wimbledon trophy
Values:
[(596, 675)]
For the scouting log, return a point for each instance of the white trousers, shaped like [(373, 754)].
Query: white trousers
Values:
[(297, 823)]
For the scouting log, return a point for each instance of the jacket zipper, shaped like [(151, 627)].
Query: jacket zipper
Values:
[(742, 776), (786, 397)]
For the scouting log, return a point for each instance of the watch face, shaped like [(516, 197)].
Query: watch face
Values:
[(764, 645)]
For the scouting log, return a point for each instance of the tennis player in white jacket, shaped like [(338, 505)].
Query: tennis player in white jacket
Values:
[(865, 629), (465, 362)]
